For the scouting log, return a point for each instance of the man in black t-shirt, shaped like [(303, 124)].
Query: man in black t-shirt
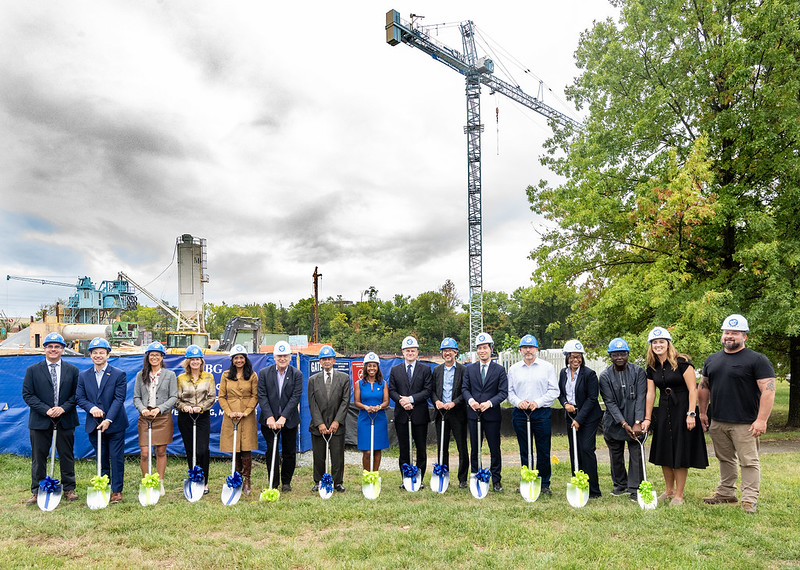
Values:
[(740, 384)]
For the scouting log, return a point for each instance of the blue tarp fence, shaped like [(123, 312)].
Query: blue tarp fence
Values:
[(14, 434)]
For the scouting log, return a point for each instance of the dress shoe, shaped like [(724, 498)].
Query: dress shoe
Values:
[(749, 507), (285, 488), (497, 487), (402, 486), (116, 497), (205, 491), (595, 495), (619, 492), (634, 498), (315, 488), (339, 488), (546, 491), (716, 499), (32, 501), (71, 495), (462, 485)]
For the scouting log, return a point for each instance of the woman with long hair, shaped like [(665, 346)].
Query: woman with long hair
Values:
[(678, 441), (238, 397), (155, 391), (371, 397)]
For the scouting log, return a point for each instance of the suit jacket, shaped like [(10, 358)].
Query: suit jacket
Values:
[(327, 409), (460, 407), (37, 391), (291, 392), (627, 404), (109, 397), (586, 390), (493, 389), (420, 388), (166, 391)]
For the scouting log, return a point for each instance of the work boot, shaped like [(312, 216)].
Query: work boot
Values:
[(717, 499), (32, 501), (247, 465)]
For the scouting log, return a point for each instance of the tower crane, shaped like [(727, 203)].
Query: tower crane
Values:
[(477, 71)]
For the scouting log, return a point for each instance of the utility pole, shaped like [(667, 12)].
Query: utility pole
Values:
[(315, 333)]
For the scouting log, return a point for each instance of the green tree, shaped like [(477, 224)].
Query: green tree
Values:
[(680, 198)]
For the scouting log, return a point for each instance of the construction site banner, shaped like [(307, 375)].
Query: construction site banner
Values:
[(14, 412)]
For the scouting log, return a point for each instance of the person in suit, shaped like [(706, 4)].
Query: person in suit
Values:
[(155, 391), (578, 390), (280, 387), (49, 390), (101, 393), (484, 387), (410, 386), (328, 400), (449, 401)]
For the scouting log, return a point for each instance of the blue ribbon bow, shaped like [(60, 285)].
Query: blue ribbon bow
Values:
[(196, 474), (235, 480), (410, 471), (440, 470), (483, 475), (48, 484), (326, 482)]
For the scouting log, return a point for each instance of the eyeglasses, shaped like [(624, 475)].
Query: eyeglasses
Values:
[(575, 357)]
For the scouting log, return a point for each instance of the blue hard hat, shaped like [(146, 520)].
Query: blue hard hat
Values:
[(155, 347), (99, 342), (54, 337), (528, 340), (449, 343), (327, 352), (193, 351), (618, 345)]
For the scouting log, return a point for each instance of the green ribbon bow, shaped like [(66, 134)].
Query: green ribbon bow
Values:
[(99, 483), (646, 491), (580, 480), (370, 477), (529, 475), (270, 495), (151, 481)]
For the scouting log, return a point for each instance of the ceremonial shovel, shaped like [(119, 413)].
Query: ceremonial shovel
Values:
[(371, 490), (642, 503), (49, 496), (478, 482), (272, 464), (193, 490), (440, 481), (575, 495), (232, 488), (149, 495), (326, 483), (412, 483), (97, 498), (530, 490)]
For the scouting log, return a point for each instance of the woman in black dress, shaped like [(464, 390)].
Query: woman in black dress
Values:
[(678, 441)]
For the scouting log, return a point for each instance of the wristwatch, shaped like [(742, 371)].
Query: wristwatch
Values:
[(691, 414)]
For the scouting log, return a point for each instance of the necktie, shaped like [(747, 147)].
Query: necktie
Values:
[(278, 383), (483, 374), (54, 381), (327, 378), (409, 374)]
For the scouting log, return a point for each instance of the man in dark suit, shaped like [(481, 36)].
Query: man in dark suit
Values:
[(448, 399), (484, 388), (410, 386), (101, 393), (328, 400), (49, 390), (280, 387), (578, 391)]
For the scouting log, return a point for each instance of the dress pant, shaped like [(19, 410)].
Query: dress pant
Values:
[(625, 480), (587, 460), (732, 441), (203, 437), (541, 431), (337, 457), (457, 424), (40, 455), (286, 461), (420, 435), (112, 460), (490, 431)]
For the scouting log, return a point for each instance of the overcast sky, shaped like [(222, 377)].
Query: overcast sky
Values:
[(287, 134)]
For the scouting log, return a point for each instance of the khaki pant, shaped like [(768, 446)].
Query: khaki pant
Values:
[(732, 441)]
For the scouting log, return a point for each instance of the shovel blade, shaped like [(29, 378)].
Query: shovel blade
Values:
[(97, 499), (49, 501), (439, 483), (325, 494), (647, 506), (230, 495), (148, 496), (576, 497), (371, 491), (530, 490), (479, 489), (192, 491), (412, 486)]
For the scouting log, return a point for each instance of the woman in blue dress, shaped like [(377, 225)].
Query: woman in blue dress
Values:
[(371, 397)]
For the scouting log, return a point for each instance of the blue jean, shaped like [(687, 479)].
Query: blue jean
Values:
[(541, 429)]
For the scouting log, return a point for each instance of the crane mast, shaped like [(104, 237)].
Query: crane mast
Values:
[(477, 71)]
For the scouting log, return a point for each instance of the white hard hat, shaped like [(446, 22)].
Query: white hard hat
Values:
[(735, 322), (281, 347), (372, 357), (658, 332), (410, 342), (573, 345), (238, 349), (483, 338)]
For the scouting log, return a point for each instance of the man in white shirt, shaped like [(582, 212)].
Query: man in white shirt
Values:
[(532, 388)]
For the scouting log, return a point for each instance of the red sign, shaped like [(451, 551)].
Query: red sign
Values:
[(357, 371)]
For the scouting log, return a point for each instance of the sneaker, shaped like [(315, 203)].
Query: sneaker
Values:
[(315, 488), (717, 499), (749, 507)]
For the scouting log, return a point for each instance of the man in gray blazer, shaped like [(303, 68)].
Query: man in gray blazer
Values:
[(280, 387), (449, 403), (328, 399), (49, 390)]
